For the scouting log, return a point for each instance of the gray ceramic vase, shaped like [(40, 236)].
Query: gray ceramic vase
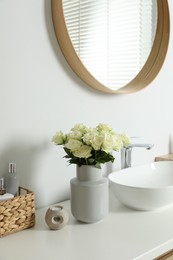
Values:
[(89, 195)]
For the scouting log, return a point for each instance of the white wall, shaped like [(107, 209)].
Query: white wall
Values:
[(39, 95)]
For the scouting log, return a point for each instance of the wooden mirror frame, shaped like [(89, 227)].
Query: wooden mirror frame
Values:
[(150, 69)]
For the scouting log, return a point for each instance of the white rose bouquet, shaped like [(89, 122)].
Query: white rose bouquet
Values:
[(90, 146)]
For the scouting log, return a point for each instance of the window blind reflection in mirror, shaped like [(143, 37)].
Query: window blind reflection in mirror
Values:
[(113, 38)]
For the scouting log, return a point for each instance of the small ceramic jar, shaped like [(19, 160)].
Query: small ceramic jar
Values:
[(56, 217)]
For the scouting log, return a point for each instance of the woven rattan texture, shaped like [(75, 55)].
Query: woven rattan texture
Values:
[(17, 213)]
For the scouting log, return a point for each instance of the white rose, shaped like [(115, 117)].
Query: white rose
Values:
[(83, 152), (104, 128), (80, 127), (125, 139), (76, 134), (117, 142), (73, 144), (89, 135), (97, 141), (107, 145), (59, 138)]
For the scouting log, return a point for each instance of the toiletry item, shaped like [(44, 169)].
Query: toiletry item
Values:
[(56, 217), (12, 180), (6, 196), (171, 144), (2, 188)]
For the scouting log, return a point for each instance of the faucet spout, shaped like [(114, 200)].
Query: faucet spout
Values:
[(147, 146), (126, 153)]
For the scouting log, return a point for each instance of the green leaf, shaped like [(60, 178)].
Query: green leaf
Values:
[(68, 152), (103, 157)]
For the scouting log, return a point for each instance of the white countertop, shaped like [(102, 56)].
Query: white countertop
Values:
[(124, 234)]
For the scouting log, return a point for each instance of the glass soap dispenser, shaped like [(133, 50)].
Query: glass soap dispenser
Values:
[(12, 180)]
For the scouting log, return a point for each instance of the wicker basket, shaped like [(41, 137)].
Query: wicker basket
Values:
[(17, 213)]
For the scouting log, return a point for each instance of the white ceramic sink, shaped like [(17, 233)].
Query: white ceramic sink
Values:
[(145, 187)]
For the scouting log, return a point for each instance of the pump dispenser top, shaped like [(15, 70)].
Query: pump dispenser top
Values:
[(12, 168)]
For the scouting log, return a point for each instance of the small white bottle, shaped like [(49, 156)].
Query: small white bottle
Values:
[(12, 180)]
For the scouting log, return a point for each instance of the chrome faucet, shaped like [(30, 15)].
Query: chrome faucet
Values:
[(126, 154)]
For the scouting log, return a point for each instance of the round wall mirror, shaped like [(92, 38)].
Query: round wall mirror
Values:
[(114, 46)]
